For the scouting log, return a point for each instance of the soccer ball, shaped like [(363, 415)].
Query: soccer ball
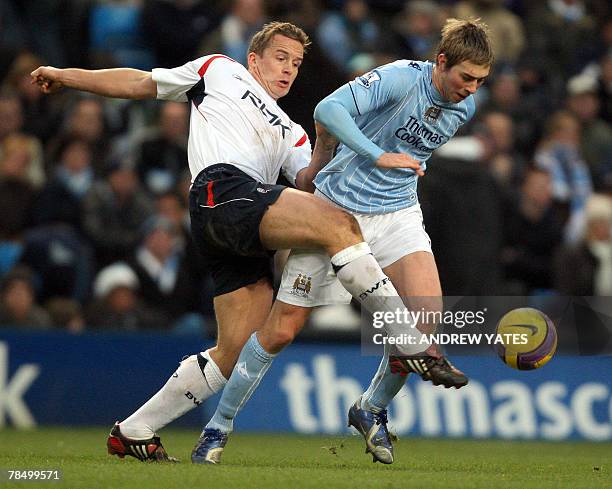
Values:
[(528, 338)]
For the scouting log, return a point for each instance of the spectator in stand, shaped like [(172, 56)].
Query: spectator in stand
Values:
[(40, 23), (11, 114), (174, 29), (12, 34), (415, 31), (605, 85), (17, 176), (115, 35), (506, 95), (532, 231), (113, 212), (559, 155), (596, 134), (507, 32), (561, 34), (167, 277), (117, 304), (61, 261), (85, 120), (585, 269), (232, 37), (40, 114), (17, 301), (163, 155), (310, 86), (466, 234), (61, 198), (66, 314), (345, 34), (21, 158), (171, 206), (505, 163)]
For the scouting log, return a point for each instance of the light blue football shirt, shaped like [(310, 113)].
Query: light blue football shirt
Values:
[(397, 107)]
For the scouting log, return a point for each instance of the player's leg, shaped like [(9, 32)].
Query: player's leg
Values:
[(417, 274), (283, 324), (239, 314), (402, 246), (300, 220), (416, 278), (307, 281), (240, 310)]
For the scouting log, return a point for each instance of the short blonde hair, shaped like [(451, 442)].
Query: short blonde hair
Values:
[(466, 40), (262, 39)]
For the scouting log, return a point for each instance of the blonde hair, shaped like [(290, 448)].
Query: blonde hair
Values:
[(262, 39), (466, 40)]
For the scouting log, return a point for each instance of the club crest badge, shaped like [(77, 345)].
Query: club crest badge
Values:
[(432, 114), (302, 285)]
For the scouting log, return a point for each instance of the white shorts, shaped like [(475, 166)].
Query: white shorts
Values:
[(309, 279)]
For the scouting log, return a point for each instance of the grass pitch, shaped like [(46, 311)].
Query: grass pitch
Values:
[(294, 462)]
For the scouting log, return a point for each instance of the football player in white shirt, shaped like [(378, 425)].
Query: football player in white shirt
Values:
[(239, 141)]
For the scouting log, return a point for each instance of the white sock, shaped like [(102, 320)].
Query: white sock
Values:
[(185, 390), (360, 274)]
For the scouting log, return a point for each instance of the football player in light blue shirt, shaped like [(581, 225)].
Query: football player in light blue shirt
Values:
[(395, 107), (388, 123)]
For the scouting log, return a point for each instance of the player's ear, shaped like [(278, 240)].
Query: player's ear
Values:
[(251, 57), (441, 61)]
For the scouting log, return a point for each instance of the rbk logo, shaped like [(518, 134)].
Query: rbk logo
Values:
[(367, 292), (273, 119)]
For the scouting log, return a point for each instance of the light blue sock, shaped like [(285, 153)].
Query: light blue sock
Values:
[(383, 388), (252, 365)]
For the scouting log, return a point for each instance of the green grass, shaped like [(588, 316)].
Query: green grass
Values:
[(321, 462)]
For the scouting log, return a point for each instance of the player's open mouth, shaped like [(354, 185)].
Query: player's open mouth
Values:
[(283, 83)]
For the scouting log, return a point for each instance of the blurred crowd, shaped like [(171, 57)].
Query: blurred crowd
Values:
[(94, 230)]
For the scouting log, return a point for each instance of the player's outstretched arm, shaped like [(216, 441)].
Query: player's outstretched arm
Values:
[(322, 154), (116, 82)]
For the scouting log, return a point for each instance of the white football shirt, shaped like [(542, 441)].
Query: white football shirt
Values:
[(234, 120)]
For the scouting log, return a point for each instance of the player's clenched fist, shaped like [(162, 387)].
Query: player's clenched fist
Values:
[(47, 78), (399, 160)]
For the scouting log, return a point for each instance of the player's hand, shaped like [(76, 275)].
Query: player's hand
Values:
[(399, 160), (47, 78)]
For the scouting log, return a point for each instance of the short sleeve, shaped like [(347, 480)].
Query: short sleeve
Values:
[(299, 156), (174, 83)]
